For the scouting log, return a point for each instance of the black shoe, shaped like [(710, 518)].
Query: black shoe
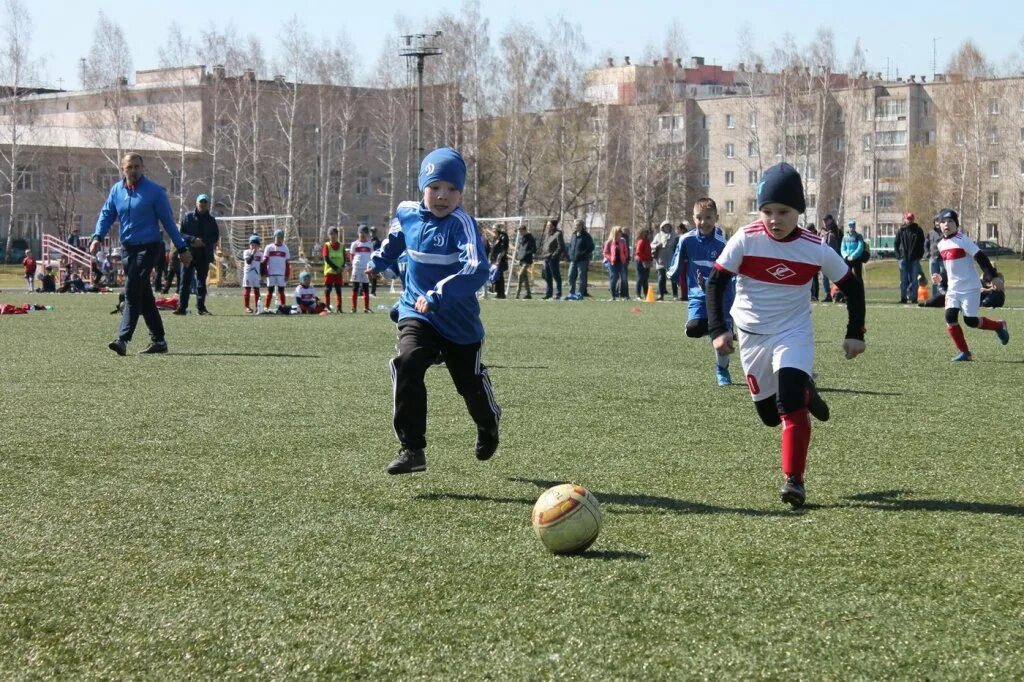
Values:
[(409, 460), (815, 404), (486, 443), (204, 311), (528, 296), (179, 311), (792, 492), (118, 346), (155, 347)]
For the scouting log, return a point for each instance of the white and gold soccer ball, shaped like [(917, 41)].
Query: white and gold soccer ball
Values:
[(567, 518)]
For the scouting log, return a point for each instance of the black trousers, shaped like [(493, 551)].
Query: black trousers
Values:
[(139, 261), (418, 348), (199, 270)]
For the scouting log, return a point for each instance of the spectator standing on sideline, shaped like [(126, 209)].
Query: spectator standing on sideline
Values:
[(526, 249), (644, 260), (833, 238), (498, 255), (333, 253), (935, 264), (141, 207), (200, 229), (814, 280), (29, 263), (552, 250), (663, 246), (624, 277), (852, 249), (616, 255), (374, 278), (581, 251), (909, 252)]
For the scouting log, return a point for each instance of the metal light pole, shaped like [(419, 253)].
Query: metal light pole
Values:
[(420, 46)]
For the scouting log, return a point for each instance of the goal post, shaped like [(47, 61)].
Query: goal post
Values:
[(234, 240)]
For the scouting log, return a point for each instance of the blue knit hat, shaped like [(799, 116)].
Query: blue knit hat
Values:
[(781, 184), (443, 164)]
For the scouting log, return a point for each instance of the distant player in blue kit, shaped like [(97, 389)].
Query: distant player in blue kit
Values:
[(438, 312), (692, 263)]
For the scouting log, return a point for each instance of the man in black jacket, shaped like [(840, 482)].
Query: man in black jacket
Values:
[(909, 250), (499, 258), (581, 251), (200, 230)]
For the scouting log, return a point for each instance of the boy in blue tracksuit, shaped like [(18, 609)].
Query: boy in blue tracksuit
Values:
[(438, 313), (693, 262)]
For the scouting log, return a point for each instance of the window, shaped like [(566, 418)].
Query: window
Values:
[(993, 169), (26, 179), (69, 179), (362, 138), (890, 170), (751, 206), (730, 178), (752, 177), (866, 142), (730, 207), (670, 122), (730, 122), (925, 108), (1022, 134), (1020, 199), (811, 172), (751, 149), (866, 171), (382, 185), (886, 200), (753, 119), (891, 108), (362, 182), (993, 135), (705, 179), (705, 123), (992, 231), (812, 201), (865, 203), (867, 112), (993, 106), (25, 224), (929, 137), (107, 177), (730, 150), (993, 199), (887, 229), (891, 138), (840, 144), (175, 182)]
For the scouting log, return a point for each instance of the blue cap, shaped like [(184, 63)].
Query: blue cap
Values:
[(781, 184), (255, 239), (443, 164), (278, 233), (203, 197), (851, 223)]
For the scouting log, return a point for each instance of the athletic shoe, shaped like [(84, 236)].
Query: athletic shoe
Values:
[(204, 311), (723, 376), (815, 404), (486, 443), (962, 357), (118, 346), (1004, 333), (792, 492), (409, 460), (155, 347), (179, 311), (249, 310), (367, 310)]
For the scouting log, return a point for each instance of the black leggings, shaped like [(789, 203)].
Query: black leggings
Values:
[(792, 396), (953, 313)]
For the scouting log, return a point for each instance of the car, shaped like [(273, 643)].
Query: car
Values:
[(993, 249)]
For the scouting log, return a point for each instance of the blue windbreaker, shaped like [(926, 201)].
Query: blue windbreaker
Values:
[(447, 264), (138, 211)]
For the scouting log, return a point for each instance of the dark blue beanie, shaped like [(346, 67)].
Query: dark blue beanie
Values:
[(950, 214), (443, 164), (781, 184)]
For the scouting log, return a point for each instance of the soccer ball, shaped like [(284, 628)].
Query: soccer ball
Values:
[(567, 518)]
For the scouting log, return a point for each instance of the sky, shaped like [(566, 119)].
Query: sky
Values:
[(897, 37)]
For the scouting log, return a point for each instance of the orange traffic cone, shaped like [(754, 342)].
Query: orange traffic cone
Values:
[(650, 294)]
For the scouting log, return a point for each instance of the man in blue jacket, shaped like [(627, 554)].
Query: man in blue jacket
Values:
[(140, 206), (200, 230), (438, 313)]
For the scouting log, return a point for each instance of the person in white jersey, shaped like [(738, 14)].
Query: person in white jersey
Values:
[(963, 290), (774, 262), (276, 260), (360, 253)]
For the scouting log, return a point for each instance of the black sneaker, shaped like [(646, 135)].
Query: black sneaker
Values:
[(486, 443), (155, 347), (792, 492), (118, 346), (409, 460), (816, 405), (179, 311), (204, 311)]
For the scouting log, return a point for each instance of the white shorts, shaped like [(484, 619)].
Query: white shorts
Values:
[(763, 355), (968, 303), (359, 276), (277, 281), (251, 279)]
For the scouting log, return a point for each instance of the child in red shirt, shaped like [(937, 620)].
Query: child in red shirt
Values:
[(29, 263)]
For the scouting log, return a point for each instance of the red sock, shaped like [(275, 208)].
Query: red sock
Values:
[(989, 324), (366, 300), (327, 298), (355, 294), (245, 297), (270, 295), (280, 295), (796, 438), (956, 332)]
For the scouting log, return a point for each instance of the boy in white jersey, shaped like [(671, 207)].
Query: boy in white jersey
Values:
[(253, 258), (276, 257), (774, 262), (360, 253), (963, 290), (305, 296)]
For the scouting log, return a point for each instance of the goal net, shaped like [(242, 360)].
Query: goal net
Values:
[(234, 240)]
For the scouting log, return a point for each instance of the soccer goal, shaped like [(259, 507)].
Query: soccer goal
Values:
[(534, 225), (234, 240)]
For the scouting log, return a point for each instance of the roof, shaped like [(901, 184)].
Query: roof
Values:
[(89, 138)]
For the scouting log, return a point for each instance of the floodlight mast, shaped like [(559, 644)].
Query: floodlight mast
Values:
[(420, 46)]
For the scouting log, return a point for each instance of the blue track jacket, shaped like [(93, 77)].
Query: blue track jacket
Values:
[(138, 211), (447, 264)]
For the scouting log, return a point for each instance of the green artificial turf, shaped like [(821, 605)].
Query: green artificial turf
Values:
[(222, 511)]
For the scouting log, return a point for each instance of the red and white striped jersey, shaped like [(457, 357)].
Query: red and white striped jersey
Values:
[(957, 254), (276, 257), (361, 252), (773, 283), (305, 295), (257, 261)]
